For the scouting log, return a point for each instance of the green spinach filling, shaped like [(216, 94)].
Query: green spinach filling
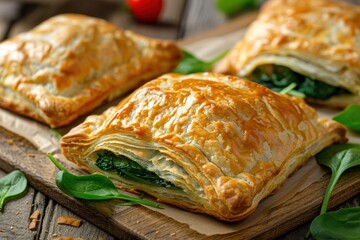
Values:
[(278, 77), (129, 169)]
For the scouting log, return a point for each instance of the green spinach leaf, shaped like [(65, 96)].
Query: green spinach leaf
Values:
[(190, 64), (290, 90), (317, 89), (341, 224), (127, 168), (328, 153), (278, 78), (350, 117), (338, 158), (56, 132), (92, 187), (231, 7), (338, 163), (11, 186)]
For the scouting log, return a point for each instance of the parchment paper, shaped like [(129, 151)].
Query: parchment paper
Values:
[(45, 140)]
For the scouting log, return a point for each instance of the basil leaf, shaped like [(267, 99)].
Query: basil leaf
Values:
[(350, 117), (341, 224), (11, 186), (92, 187), (190, 64), (338, 163)]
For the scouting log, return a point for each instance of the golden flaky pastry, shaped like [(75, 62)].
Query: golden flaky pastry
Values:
[(71, 63), (216, 144), (319, 39)]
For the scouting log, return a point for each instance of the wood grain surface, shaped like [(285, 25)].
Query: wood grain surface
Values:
[(99, 221)]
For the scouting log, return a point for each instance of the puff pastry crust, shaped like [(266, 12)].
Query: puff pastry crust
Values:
[(70, 64), (225, 142), (318, 38)]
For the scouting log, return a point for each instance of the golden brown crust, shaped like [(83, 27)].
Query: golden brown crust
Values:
[(318, 38), (71, 63), (227, 142)]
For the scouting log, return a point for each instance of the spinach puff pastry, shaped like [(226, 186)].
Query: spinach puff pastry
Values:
[(205, 142), (312, 45), (70, 64)]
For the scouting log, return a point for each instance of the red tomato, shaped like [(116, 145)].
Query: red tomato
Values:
[(145, 10)]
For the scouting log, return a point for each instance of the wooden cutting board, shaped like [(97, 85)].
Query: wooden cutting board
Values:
[(143, 223)]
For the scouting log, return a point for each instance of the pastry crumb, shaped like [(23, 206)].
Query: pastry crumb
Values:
[(173, 234), (10, 141), (35, 215), (65, 238), (65, 220), (54, 235), (34, 220), (33, 225), (17, 212)]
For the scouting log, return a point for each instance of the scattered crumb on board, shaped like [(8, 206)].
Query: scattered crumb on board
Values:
[(34, 220), (65, 220)]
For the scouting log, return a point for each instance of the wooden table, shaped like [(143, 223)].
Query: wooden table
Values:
[(189, 19)]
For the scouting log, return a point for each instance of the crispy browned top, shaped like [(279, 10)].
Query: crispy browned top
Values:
[(69, 64), (321, 33), (229, 136)]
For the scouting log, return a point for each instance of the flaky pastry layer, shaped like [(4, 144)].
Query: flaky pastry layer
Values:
[(318, 38), (70, 64), (224, 142)]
